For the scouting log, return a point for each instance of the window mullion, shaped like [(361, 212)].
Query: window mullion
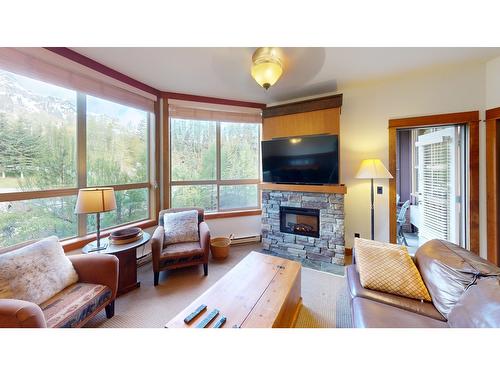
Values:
[(81, 154), (218, 162)]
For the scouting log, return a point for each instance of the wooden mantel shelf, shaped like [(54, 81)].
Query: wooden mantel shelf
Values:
[(329, 189)]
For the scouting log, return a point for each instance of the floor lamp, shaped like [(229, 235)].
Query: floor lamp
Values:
[(372, 169), (95, 201)]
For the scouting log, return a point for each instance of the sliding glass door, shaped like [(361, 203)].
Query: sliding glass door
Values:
[(432, 185)]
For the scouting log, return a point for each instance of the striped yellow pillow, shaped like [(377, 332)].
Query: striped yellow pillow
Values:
[(389, 268)]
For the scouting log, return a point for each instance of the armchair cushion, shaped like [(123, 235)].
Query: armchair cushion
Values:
[(181, 227), (180, 250), (36, 272), (72, 306)]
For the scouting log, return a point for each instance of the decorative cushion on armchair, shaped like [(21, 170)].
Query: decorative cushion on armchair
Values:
[(181, 227)]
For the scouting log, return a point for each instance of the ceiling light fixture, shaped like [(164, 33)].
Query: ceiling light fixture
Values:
[(267, 66)]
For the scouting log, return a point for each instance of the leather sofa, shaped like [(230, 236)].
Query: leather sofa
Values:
[(465, 291), (75, 305)]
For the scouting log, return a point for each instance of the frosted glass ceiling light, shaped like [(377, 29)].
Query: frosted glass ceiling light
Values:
[(267, 66)]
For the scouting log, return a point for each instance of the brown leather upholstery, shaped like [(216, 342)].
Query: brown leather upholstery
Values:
[(479, 306), (179, 255), (409, 304), (371, 314), (99, 269), (448, 270), (15, 313), (462, 284)]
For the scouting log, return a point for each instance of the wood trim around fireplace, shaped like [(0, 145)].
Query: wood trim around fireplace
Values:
[(471, 120), (329, 189)]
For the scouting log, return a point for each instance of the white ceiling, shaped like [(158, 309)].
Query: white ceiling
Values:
[(225, 72)]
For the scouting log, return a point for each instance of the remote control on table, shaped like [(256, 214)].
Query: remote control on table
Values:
[(194, 314), (220, 322), (205, 322)]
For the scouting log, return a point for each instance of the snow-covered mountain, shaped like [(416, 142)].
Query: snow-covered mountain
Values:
[(16, 101)]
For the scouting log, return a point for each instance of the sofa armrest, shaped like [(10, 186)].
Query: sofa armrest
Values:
[(97, 269), (157, 246), (16, 313), (205, 238)]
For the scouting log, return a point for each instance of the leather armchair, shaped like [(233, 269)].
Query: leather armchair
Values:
[(99, 269), (167, 257)]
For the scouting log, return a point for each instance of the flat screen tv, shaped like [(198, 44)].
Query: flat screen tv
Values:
[(301, 160)]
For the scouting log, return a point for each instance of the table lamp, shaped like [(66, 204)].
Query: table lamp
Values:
[(95, 201), (372, 169)]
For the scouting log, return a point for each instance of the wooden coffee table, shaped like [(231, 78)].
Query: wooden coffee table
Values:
[(262, 291)]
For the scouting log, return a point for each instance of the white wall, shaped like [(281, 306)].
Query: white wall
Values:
[(239, 226), (366, 110), (493, 83)]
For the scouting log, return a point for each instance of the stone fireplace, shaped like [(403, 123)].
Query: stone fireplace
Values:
[(304, 224)]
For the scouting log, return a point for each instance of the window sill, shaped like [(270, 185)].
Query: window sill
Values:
[(223, 215), (79, 242)]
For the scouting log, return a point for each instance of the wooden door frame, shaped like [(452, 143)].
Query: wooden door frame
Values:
[(492, 185), (469, 119)]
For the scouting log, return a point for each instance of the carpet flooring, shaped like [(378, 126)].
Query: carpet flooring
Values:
[(324, 296)]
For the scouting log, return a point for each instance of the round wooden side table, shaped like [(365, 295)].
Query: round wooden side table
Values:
[(126, 254)]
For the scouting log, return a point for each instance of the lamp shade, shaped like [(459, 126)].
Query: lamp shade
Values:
[(267, 73), (95, 200), (267, 67), (373, 168)]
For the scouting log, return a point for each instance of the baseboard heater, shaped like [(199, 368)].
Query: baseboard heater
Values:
[(246, 240)]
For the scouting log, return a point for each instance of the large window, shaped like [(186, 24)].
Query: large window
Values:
[(214, 164), (53, 142), (117, 155)]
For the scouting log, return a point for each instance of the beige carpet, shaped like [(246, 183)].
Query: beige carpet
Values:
[(325, 302)]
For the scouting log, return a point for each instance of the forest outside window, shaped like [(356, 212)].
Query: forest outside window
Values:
[(214, 160), (56, 140)]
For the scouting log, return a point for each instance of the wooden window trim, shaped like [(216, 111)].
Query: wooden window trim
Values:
[(229, 214), (150, 184), (469, 119), (217, 182), (492, 185), (54, 193)]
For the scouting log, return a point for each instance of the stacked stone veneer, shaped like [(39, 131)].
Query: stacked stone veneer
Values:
[(329, 247)]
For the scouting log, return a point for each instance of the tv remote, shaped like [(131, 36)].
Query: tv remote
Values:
[(220, 322), (205, 322), (194, 314)]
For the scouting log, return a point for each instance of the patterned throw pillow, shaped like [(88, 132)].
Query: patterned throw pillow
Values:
[(389, 268), (36, 272), (181, 227)]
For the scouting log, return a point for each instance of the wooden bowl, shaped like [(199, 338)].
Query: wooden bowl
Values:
[(124, 234)]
